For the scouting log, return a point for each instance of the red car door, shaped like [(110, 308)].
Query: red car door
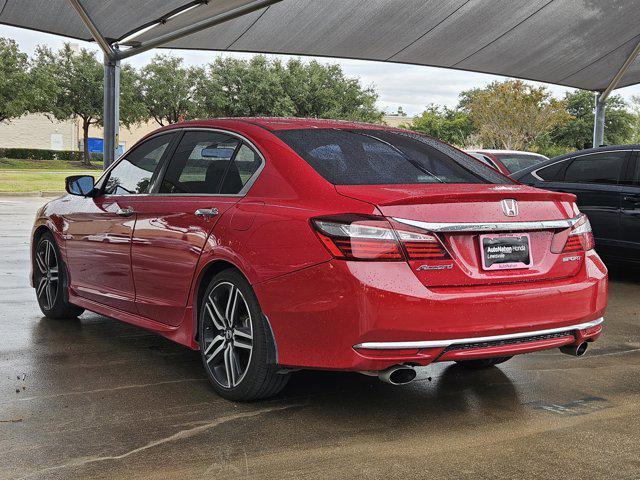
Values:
[(99, 231), (205, 177)]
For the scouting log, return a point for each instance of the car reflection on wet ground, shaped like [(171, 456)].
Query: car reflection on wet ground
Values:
[(96, 398)]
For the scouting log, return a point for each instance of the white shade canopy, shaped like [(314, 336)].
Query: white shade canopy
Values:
[(577, 43)]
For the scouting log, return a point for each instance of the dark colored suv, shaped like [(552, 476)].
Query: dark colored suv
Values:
[(606, 181)]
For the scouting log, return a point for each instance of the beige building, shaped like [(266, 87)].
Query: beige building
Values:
[(397, 120), (38, 131)]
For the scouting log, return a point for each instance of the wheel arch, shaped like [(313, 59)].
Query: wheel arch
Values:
[(208, 272), (38, 232)]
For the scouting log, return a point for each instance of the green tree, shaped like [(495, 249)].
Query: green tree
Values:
[(260, 87), (635, 125), (69, 85), (451, 125), (577, 131), (14, 81), (324, 91), (512, 114), (168, 89)]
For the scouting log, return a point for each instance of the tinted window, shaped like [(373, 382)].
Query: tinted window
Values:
[(369, 157), (518, 161), (636, 170), (241, 169), (200, 163), (598, 168), (135, 173), (483, 159), (553, 173)]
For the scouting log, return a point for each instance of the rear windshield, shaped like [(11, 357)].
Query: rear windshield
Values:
[(378, 157), (514, 162)]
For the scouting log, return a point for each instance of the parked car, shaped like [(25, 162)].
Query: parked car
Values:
[(508, 161), (606, 181), (272, 245)]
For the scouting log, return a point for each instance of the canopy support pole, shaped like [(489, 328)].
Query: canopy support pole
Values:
[(601, 99), (111, 109), (598, 124), (111, 95)]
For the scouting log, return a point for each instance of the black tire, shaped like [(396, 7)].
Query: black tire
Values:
[(51, 281), (483, 362), (235, 371)]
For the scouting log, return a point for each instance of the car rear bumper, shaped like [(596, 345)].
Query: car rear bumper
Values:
[(371, 315)]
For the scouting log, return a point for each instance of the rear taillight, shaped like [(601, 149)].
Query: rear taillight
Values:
[(421, 246), (580, 238), (361, 237)]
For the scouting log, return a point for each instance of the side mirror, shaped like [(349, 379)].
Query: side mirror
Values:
[(81, 185)]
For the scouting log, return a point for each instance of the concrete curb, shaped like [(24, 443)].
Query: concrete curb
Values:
[(41, 193)]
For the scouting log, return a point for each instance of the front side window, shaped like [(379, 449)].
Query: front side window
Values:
[(135, 173), (602, 168), (378, 157), (209, 163)]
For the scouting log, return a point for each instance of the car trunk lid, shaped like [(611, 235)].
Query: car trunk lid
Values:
[(467, 218)]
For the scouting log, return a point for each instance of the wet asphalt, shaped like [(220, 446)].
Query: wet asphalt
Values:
[(96, 398)]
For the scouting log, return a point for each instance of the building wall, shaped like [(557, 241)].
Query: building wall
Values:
[(397, 120), (37, 131), (127, 136)]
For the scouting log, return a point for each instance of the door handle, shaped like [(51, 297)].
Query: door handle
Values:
[(206, 212), (635, 199), (125, 212)]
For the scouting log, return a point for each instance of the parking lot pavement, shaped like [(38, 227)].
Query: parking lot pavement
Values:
[(96, 398)]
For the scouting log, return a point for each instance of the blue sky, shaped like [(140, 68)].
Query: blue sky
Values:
[(408, 86)]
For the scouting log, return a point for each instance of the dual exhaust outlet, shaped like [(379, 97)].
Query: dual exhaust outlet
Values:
[(403, 374)]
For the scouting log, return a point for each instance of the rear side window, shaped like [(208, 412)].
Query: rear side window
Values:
[(135, 173), (209, 163), (552, 173), (602, 168), (375, 157), (518, 161)]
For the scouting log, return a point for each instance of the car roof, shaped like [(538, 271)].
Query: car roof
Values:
[(507, 152), (551, 161), (281, 123)]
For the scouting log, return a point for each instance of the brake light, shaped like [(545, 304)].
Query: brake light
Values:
[(580, 238), (362, 237), (422, 246)]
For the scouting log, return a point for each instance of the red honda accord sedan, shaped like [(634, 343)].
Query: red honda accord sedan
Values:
[(272, 245)]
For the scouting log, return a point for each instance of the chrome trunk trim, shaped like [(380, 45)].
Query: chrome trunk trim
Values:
[(491, 226), (458, 341)]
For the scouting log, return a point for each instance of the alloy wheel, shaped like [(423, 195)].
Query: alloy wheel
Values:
[(228, 334), (47, 274)]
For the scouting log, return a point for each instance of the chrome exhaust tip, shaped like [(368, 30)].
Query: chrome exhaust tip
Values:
[(575, 350), (397, 375)]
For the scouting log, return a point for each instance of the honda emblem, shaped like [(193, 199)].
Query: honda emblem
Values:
[(509, 207)]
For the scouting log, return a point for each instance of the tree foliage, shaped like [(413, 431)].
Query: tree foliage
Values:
[(168, 89), (15, 88), (577, 131), (512, 114), (451, 125), (68, 84), (234, 87), (635, 123)]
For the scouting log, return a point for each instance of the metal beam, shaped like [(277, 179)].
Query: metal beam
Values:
[(95, 33), (618, 76), (196, 27), (598, 123), (111, 109)]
